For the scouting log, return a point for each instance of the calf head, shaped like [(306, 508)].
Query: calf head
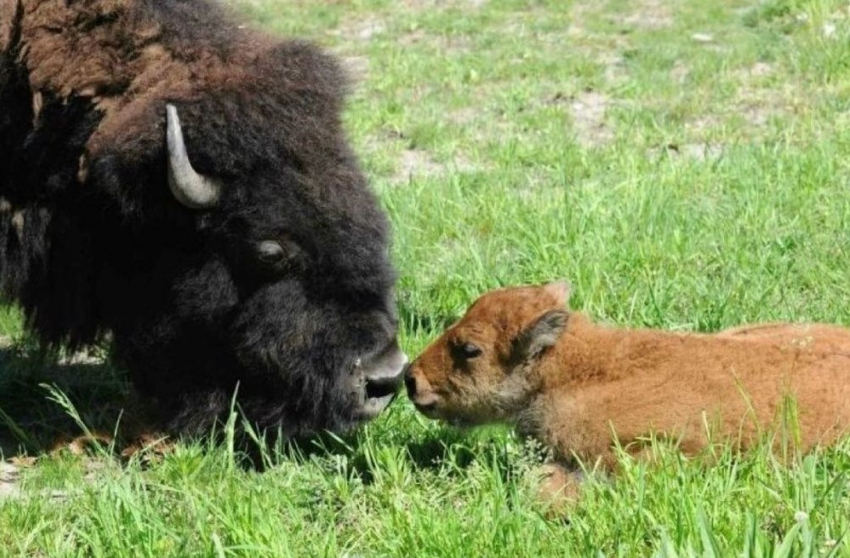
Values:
[(483, 368)]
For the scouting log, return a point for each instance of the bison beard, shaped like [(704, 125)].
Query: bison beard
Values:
[(276, 278)]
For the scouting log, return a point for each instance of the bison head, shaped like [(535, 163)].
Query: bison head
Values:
[(260, 258)]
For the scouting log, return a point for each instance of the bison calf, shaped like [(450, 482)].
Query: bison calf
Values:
[(519, 356)]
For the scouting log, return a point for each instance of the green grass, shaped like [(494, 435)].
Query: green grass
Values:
[(685, 165)]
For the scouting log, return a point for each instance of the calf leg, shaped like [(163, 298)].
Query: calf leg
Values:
[(559, 487)]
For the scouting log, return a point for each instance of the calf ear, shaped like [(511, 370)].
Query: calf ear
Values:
[(560, 291), (540, 335)]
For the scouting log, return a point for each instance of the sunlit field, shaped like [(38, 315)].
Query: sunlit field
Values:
[(685, 165)]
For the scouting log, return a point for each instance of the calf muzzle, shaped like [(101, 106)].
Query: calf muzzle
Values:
[(419, 392)]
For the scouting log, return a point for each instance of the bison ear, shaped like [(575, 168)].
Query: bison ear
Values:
[(543, 333)]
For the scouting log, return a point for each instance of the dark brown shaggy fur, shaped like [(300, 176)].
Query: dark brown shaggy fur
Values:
[(93, 241), (519, 356)]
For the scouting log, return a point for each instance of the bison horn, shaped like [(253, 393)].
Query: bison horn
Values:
[(192, 189)]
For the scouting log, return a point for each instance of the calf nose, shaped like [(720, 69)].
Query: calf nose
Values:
[(409, 381)]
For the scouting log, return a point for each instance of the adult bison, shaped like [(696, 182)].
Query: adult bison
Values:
[(183, 182)]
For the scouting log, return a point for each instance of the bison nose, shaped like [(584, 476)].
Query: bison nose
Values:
[(381, 385), (383, 374)]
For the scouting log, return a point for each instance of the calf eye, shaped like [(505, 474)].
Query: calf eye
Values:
[(470, 351), (270, 252)]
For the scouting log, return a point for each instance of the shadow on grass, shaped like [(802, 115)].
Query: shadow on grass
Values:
[(31, 422), (441, 447), (445, 450)]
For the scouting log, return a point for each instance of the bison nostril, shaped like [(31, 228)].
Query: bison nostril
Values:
[(382, 386)]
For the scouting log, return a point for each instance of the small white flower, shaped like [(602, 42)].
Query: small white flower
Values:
[(800, 516)]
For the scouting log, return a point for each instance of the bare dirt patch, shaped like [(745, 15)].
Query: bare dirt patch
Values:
[(759, 107), (588, 114), (414, 37), (606, 50), (680, 72), (9, 481), (692, 151), (579, 12), (703, 123), (463, 116), (416, 164), (758, 103), (95, 462), (587, 111), (650, 14), (615, 67), (760, 69), (11, 478), (420, 5), (356, 68), (361, 29)]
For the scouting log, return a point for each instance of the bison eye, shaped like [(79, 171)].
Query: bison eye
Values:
[(270, 252), (470, 351)]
